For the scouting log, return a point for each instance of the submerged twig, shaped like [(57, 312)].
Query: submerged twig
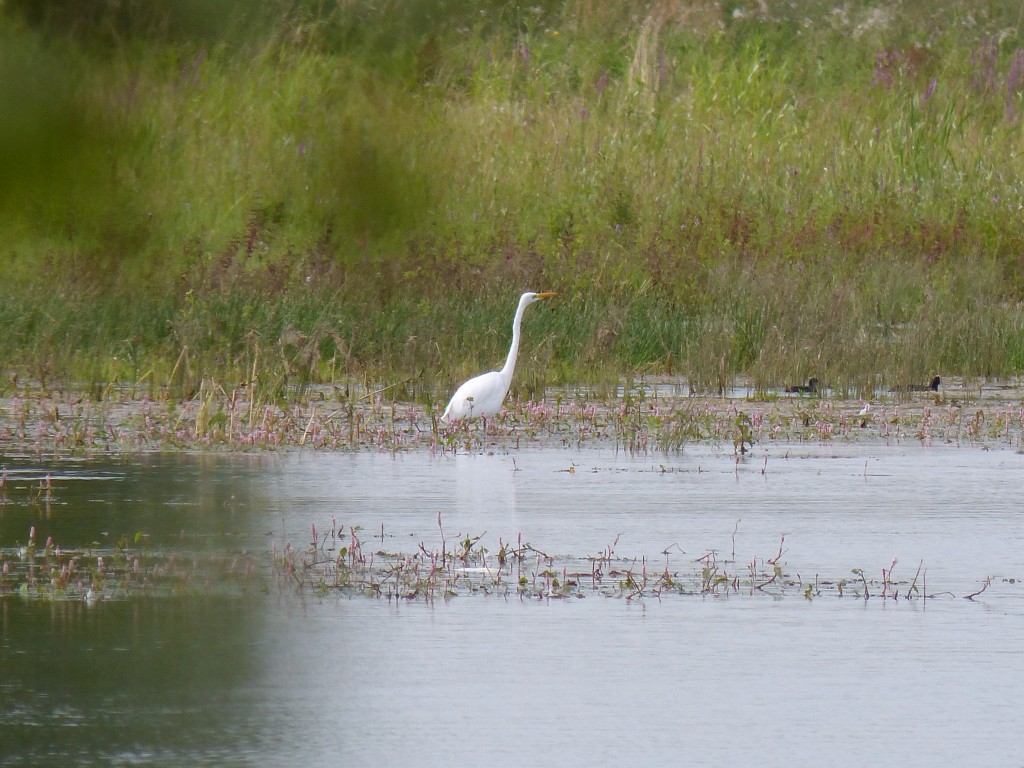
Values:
[(985, 585)]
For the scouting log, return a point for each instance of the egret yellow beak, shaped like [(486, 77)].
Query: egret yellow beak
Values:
[(546, 294)]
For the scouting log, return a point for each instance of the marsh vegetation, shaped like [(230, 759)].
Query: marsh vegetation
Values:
[(311, 195)]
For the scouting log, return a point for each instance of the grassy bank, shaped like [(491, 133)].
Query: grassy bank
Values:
[(714, 189)]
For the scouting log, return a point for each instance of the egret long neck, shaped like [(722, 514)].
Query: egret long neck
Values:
[(513, 352)]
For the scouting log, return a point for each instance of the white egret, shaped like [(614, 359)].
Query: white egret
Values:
[(483, 395)]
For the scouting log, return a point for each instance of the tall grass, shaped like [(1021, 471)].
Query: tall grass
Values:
[(714, 191)]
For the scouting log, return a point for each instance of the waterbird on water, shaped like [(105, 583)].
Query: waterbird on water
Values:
[(810, 388), (483, 395), (932, 386)]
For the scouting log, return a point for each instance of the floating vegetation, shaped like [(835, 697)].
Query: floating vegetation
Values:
[(129, 569), (340, 562), (651, 417), (347, 562)]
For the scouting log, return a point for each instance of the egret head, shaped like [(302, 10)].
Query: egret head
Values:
[(529, 297)]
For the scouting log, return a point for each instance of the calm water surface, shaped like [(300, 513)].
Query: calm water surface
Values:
[(274, 678)]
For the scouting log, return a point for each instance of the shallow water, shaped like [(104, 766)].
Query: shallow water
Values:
[(272, 677), (839, 507)]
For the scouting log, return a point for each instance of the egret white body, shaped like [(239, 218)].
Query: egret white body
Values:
[(483, 395)]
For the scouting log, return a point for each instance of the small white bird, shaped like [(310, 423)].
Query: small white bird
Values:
[(483, 395)]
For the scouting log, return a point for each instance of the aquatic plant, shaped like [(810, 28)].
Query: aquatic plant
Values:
[(522, 570), (344, 561), (128, 570), (653, 417)]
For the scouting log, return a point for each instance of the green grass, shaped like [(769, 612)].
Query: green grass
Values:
[(313, 195)]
